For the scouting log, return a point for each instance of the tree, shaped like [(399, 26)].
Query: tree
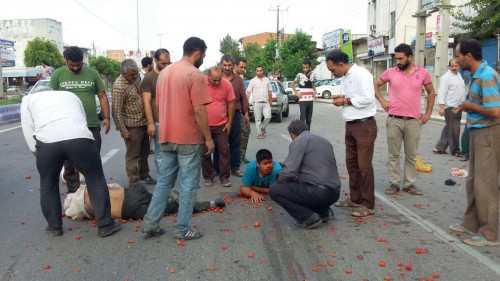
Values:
[(38, 50), (293, 51), (254, 57), (108, 68), (229, 46), (483, 22)]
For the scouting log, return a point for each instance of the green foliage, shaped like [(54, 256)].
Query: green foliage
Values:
[(293, 52), (38, 50), (483, 23), (254, 58), (106, 67), (229, 46)]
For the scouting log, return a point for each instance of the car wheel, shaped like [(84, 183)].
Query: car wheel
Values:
[(327, 94), (278, 117), (286, 112)]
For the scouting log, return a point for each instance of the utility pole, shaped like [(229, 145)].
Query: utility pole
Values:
[(278, 37), (159, 36), (421, 15), (442, 34), (137, 6)]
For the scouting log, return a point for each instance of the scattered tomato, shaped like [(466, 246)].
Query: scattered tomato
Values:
[(27, 177), (314, 269), (224, 247), (436, 275), (78, 237), (348, 271), (408, 267), (130, 241), (264, 260), (458, 233), (381, 263), (270, 208), (251, 255), (321, 264), (387, 278), (330, 263), (47, 267), (180, 243), (78, 269), (256, 224)]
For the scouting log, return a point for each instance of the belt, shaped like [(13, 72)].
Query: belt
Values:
[(401, 117), (359, 120)]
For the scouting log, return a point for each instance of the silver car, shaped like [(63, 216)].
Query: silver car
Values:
[(279, 107)]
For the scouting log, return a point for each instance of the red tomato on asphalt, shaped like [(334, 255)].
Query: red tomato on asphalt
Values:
[(408, 267), (256, 224), (251, 255), (436, 275), (47, 267), (314, 269), (381, 263), (270, 208), (348, 271), (330, 263), (78, 237)]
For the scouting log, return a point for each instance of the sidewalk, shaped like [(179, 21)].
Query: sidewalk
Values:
[(434, 116)]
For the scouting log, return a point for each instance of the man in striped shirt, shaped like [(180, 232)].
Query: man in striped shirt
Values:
[(483, 120)]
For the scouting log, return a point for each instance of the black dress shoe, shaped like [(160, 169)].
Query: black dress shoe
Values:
[(312, 222), (54, 231), (148, 180), (327, 215), (109, 229)]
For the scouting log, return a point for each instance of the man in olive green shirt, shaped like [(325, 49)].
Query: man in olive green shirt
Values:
[(86, 83)]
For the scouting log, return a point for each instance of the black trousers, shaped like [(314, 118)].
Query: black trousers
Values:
[(85, 156), (234, 145), (301, 200), (71, 174), (306, 112)]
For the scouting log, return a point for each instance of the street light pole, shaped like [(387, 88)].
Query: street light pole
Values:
[(159, 36)]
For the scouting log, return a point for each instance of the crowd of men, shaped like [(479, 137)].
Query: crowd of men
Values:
[(200, 123)]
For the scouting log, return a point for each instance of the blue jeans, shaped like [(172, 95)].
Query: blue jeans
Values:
[(185, 160), (157, 148)]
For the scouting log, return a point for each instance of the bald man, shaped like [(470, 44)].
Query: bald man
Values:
[(220, 119)]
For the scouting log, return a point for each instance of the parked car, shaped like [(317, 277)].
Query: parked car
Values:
[(279, 107), (13, 90), (288, 90), (328, 87)]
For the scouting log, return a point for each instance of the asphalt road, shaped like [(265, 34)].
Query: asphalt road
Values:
[(343, 249)]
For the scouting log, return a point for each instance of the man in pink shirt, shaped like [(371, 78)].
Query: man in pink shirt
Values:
[(220, 119), (181, 96), (404, 123)]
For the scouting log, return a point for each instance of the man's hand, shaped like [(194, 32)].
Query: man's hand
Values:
[(441, 111), (227, 128), (425, 118), (466, 106), (338, 100), (210, 146), (105, 123), (385, 105), (151, 130), (125, 135), (257, 197), (246, 119), (456, 109)]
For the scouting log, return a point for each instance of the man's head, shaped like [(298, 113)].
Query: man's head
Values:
[(264, 159), (45, 63), (129, 70), (227, 64), (468, 52), (306, 66), (296, 128), (147, 64), (74, 59), (259, 71), (214, 76), (240, 65), (404, 56), (453, 65), (195, 49), (162, 59), (338, 63)]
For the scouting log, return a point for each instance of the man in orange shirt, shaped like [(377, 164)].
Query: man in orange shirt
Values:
[(182, 94), (220, 119)]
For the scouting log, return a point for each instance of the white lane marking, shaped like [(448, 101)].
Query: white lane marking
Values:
[(438, 232), (10, 129), (108, 155)]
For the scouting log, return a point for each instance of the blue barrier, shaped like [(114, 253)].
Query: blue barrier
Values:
[(10, 113)]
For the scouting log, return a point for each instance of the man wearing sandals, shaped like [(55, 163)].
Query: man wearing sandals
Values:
[(404, 123), (359, 106), (483, 120), (182, 94), (220, 119), (259, 88), (309, 182)]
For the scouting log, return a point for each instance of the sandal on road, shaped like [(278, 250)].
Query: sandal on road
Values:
[(346, 204), (393, 189), (226, 183), (437, 151), (480, 241), (208, 182), (362, 211), (411, 189)]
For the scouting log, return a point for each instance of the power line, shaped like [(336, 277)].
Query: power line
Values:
[(107, 23)]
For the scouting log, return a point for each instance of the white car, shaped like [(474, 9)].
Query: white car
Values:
[(328, 87)]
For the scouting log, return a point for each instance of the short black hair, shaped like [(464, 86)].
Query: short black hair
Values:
[(240, 59), (472, 46), (259, 66), (263, 154), (337, 56), (193, 44), (73, 53), (45, 62), (404, 48), (227, 58), (297, 127), (160, 52), (146, 61), (307, 61)]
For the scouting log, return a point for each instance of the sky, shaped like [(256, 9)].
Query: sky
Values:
[(112, 24)]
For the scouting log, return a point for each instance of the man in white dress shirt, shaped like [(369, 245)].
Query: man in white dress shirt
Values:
[(451, 94), (359, 106), (262, 96), (55, 128)]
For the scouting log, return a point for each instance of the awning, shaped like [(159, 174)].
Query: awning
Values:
[(382, 58), (362, 56)]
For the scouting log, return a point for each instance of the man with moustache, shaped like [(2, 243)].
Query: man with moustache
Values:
[(128, 113), (240, 108), (85, 82), (148, 93), (239, 69), (182, 94), (404, 123), (307, 87)]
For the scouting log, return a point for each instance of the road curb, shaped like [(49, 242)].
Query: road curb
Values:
[(10, 113)]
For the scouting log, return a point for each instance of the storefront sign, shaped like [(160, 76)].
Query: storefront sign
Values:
[(376, 46)]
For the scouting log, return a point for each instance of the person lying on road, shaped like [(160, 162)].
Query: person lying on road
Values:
[(259, 175)]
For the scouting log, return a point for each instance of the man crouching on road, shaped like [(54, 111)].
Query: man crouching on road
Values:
[(259, 175), (309, 182)]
